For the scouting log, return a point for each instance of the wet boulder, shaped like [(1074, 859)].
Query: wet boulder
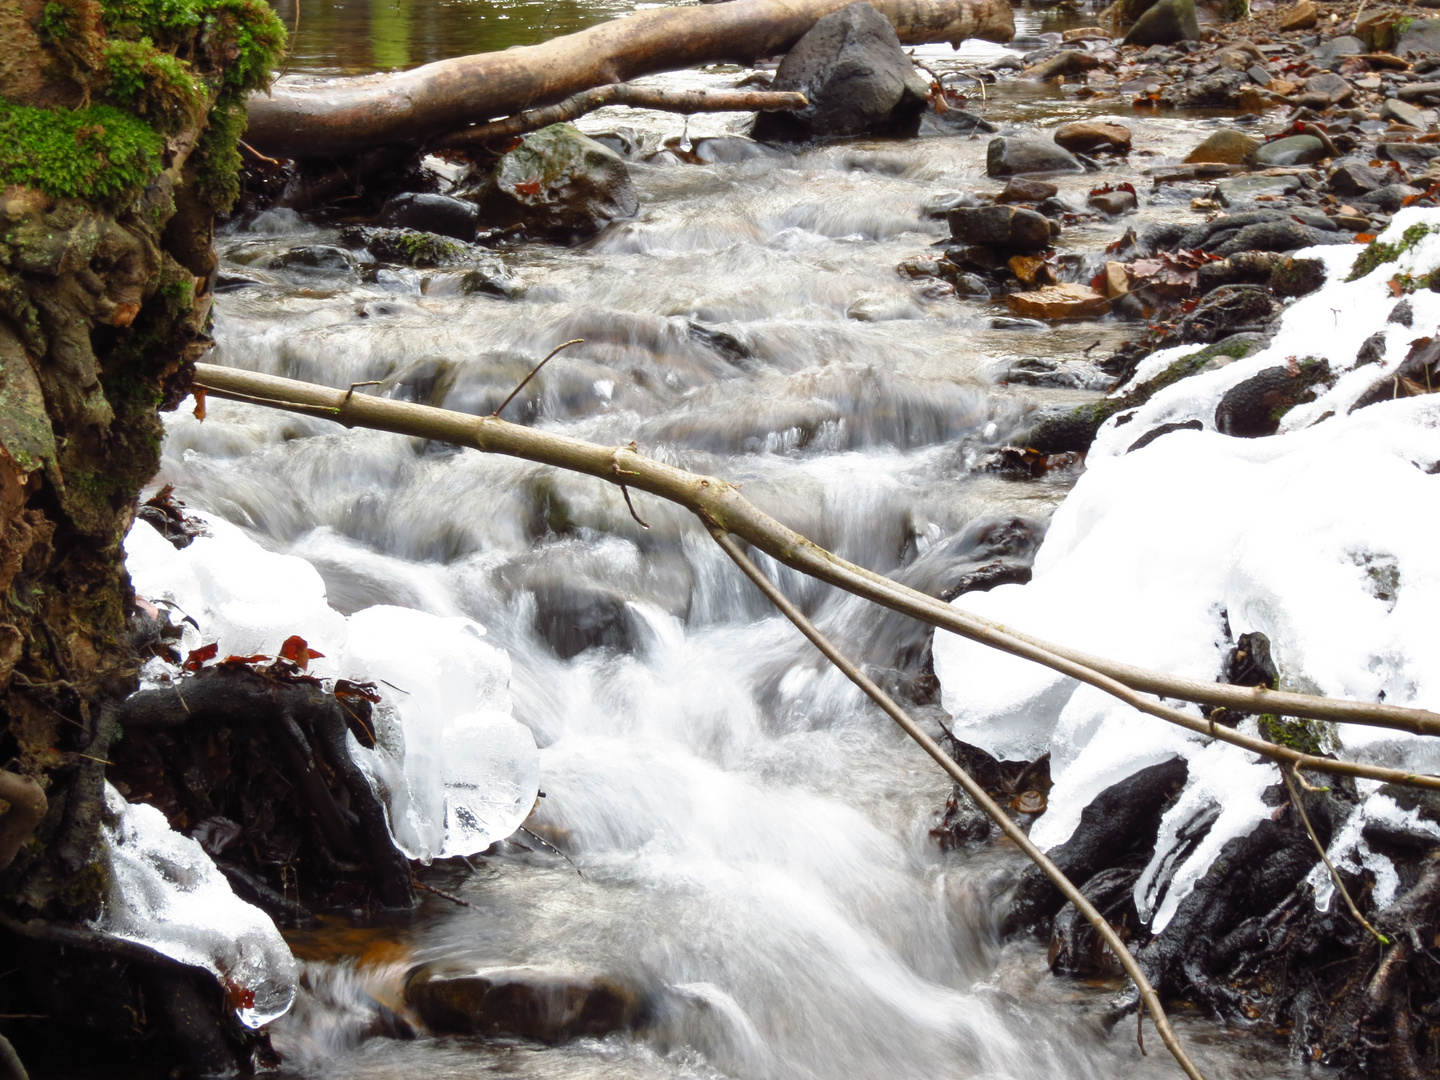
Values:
[(1296, 277), (1093, 137), (1295, 150), (857, 78), (1009, 227), (549, 1005), (1230, 309), (1225, 147), (1118, 828), (560, 184), (955, 122), (1022, 189), (1119, 201), (1064, 301), (442, 215), (572, 616), (1015, 155), (1253, 408), (1355, 178), (407, 247), (1166, 23)]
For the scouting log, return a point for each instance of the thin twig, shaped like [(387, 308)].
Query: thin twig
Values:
[(541, 840), (440, 893), (368, 382), (1148, 998), (1325, 858), (263, 157), (641, 521), (533, 372)]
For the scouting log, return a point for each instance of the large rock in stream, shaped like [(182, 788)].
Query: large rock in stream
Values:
[(857, 78), (550, 1005), (1167, 22), (560, 184)]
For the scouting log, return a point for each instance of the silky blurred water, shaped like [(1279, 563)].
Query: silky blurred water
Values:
[(748, 838)]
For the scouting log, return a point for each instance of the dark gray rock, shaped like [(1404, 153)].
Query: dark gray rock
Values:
[(955, 122), (1253, 409), (409, 247), (1411, 155), (1389, 198), (1166, 23), (857, 78), (1296, 150), (1421, 91), (325, 258), (1332, 86), (1015, 155), (559, 183), (1420, 37), (548, 1005), (1332, 53), (439, 214), (1119, 827), (1164, 429), (1403, 112), (1227, 311), (1354, 178), (1009, 227)]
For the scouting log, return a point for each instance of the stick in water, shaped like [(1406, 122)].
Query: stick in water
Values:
[(1148, 998)]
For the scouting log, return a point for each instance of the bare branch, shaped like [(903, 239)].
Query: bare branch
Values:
[(720, 503)]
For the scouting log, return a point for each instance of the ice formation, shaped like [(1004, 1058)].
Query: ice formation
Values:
[(455, 770), (165, 892), (1320, 536)]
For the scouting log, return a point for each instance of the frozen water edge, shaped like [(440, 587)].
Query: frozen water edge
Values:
[(1155, 550), (166, 892), (453, 768)]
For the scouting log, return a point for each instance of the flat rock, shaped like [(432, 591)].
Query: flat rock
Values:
[(1242, 189), (1353, 178), (857, 78), (1010, 227), (1295, 150), (1014, 155), (1402, 112), (1332, 86), (1302, 16), (1093, 137), (1023, 189), (1225, 147), (1065, 301), (1420, 37), (1414, 155), (550, 1005), (1166, 23), (1389, 198), (1114, 202), (1333, 52), (1419, 91)]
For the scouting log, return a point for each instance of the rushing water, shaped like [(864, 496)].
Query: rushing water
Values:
[(749, 837)]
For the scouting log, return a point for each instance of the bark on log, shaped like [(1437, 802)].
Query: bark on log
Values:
[(315, 118), (637, 97)]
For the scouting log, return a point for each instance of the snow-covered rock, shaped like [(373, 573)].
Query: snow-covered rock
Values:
[(1321, 537)]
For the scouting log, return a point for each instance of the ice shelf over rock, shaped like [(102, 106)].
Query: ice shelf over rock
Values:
[(454, 769), (165, 892), (1321, 537)]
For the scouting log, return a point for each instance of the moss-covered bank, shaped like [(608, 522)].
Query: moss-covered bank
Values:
[(118, 128)]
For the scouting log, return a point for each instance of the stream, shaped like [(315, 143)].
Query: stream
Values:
[(747, 837)]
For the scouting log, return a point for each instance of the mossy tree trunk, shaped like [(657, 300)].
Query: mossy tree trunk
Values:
[(118, 124)]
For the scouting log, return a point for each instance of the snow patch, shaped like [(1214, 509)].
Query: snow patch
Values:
[(1319, 537)]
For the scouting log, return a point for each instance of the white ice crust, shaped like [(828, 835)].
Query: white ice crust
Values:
[(1299, 535), (164, 891), (453, 768)]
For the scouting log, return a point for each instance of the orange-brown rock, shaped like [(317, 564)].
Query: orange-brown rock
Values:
[(1302, 16), (1067, 301)]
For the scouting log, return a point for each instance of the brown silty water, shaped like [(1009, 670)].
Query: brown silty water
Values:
[(751, 836)]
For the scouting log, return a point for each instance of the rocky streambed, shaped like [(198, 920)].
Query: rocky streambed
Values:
[(909, 317)]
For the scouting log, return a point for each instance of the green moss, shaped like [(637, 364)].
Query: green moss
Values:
[(54, 23), (243, 38), (216, 157), (153, 84), (99, 153), (1378, 254), (1306, 736)]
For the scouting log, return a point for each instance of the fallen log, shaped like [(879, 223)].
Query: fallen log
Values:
[(318, 118), (637, 97), (718, 503)]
